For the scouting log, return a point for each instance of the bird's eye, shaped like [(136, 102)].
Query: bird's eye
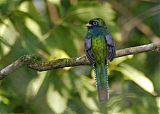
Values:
[(95, 23)]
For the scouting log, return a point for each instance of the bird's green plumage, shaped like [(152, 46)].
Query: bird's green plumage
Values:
[(99, 48)]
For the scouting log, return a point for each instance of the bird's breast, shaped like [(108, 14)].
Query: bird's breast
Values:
[(99, 48)]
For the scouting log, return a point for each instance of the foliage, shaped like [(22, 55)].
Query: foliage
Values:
[(56, 29)]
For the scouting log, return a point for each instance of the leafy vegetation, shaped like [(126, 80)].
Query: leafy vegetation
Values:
[(56, 29)]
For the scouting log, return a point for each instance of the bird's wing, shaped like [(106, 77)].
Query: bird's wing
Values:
[(111, 47), (88, 49)]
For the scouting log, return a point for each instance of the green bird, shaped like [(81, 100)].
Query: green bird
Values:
[(99, 48)]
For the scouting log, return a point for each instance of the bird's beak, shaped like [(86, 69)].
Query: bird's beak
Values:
[(88, 25)]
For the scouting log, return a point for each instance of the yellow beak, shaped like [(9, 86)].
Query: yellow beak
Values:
[(88, 25)]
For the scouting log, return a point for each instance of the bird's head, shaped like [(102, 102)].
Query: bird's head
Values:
[(95, 22)]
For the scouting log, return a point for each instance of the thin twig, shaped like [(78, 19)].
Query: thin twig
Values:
[(34, 63)]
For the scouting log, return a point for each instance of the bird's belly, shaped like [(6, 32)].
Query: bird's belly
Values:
[(99, 49)]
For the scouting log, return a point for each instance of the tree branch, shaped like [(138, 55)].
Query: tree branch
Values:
[(36, 64)]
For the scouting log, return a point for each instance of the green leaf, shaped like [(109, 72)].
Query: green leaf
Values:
[(61, 38), (56, 101), (138, 77)]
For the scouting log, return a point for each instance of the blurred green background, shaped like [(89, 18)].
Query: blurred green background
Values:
[(56, 29)]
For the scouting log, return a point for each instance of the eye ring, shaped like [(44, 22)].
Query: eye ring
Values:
[(95, 23)]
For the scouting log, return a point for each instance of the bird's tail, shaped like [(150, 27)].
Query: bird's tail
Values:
[(102, 82)]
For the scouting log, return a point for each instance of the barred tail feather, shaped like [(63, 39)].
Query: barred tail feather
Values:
[(102, 82)]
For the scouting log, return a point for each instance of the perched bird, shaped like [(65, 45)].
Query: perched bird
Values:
[(100, 48)]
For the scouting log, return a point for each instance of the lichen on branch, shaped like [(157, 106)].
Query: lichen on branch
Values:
[(35, 63)]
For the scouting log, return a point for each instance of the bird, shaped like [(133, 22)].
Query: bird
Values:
[(99, 48)]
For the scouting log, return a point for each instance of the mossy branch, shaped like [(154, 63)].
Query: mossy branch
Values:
[(33, 62)]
